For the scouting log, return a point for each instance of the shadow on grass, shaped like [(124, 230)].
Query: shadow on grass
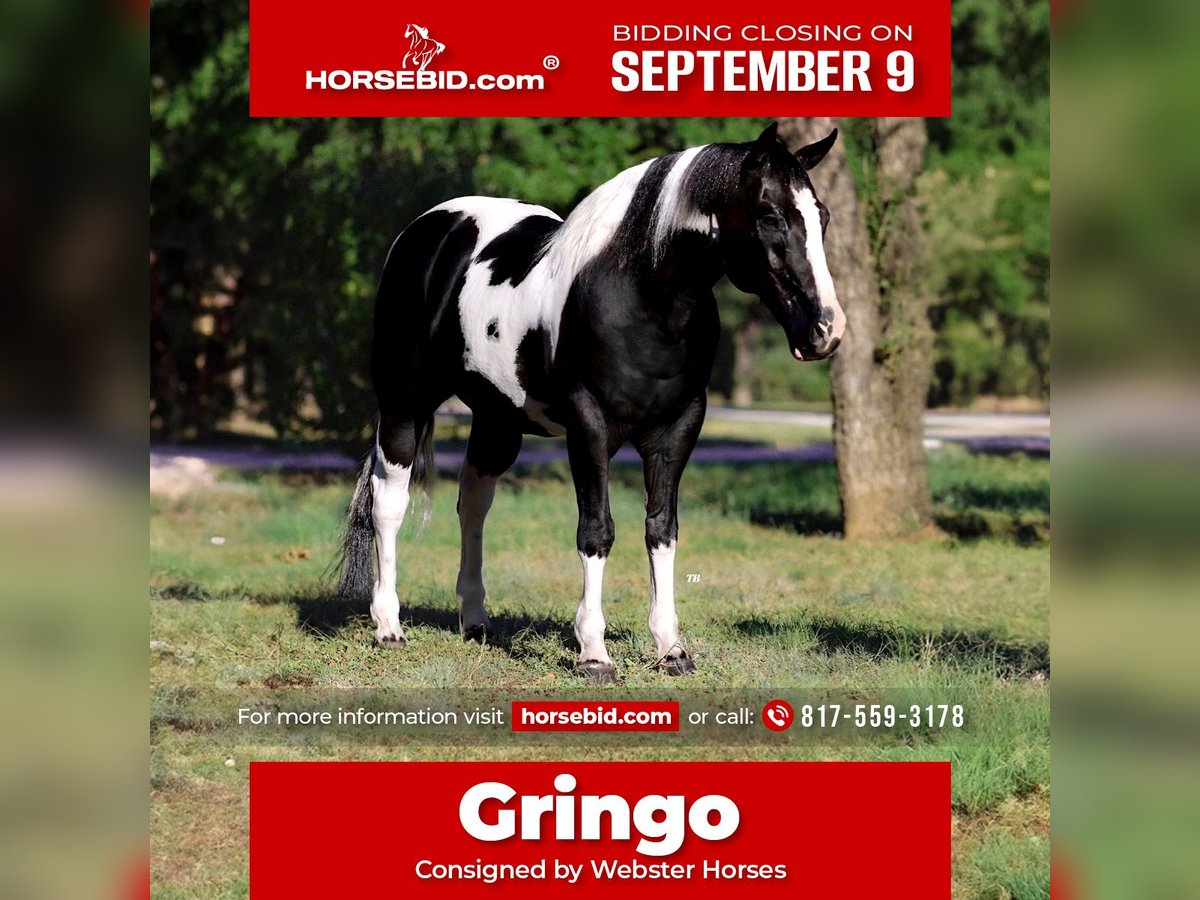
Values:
[(1008, 658), (181, 591), (803, 521), (975, 496), (1026, 529), (327, 616)]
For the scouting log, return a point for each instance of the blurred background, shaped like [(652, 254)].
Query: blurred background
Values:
[(73, 530), (1126, 277)]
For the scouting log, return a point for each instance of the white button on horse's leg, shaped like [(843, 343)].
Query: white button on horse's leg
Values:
[(476, 493), (389, 501), (589, 621)]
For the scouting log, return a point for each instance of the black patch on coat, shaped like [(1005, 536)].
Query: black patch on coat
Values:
[(514, 253), (422, 279), (713, 176), (533, 362), (493, 445), (635, 234), (493, 329)]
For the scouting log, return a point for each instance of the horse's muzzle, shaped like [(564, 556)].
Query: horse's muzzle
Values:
[(821, 343)]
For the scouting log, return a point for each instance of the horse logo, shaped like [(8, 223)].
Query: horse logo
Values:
[(421, 47)]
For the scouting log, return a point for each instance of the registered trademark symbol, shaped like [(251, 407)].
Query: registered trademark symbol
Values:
[(550, 62)]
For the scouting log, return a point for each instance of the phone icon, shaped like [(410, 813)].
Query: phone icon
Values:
[(777, 715)]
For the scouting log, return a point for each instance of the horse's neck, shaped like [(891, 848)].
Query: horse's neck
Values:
[(686, 244), (667, 239), (692, 261)]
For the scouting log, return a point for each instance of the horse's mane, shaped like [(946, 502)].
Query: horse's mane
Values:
[(638, 211)]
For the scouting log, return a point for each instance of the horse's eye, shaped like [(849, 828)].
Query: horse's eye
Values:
[(771, 218)]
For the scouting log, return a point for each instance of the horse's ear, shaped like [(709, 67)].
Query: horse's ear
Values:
[(812, 154), (763, 145), (768, 139)]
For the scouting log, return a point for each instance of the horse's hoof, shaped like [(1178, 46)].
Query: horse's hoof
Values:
[(677, 665), (600, 672), (481, 633), (390, 643)]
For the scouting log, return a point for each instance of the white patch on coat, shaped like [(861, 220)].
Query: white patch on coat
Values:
[(672, 212), (537, 302), (814, 246), (591, 226), (516, 310)]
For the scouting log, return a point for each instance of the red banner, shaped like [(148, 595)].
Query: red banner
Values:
[(382, 58), (585, 830)]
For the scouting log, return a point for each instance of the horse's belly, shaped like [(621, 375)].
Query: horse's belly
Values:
[(540, 414)]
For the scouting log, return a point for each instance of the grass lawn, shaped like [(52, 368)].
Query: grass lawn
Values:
[(780, 604)]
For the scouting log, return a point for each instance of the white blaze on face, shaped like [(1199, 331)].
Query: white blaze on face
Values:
[(815, 251)]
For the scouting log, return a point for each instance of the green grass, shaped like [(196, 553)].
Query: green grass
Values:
[(1010, 866), (252, 618)]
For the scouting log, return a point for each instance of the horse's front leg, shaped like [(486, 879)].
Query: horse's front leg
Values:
[(590, 445), (665, 452)]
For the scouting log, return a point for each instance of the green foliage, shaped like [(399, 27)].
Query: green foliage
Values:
[(989, 268), (987, 196), (1001, 83)]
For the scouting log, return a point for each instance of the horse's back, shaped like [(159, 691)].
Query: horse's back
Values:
[(494, 215), (474, 270)]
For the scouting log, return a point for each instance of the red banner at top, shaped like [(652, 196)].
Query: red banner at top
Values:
[(622, 58)]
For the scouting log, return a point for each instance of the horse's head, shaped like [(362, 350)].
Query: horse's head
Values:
[(417, 30), (772, 240)]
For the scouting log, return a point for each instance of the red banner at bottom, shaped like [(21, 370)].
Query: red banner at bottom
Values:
[(584, 830)]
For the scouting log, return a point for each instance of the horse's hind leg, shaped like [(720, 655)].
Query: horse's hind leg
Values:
[(396, 444), (491, 449)]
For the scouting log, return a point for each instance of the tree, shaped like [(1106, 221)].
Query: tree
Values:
[(881, 373)]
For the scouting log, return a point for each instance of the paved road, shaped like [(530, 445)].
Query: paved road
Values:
[(985, 432), (948, 425)]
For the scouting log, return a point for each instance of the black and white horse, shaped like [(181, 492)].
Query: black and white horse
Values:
[(602, 327)]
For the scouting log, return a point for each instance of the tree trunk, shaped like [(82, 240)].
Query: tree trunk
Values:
[(745, 345), (881, 372)]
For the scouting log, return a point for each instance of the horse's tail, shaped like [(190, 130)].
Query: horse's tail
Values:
[(357, 577), (357, 574), (423, 476)]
